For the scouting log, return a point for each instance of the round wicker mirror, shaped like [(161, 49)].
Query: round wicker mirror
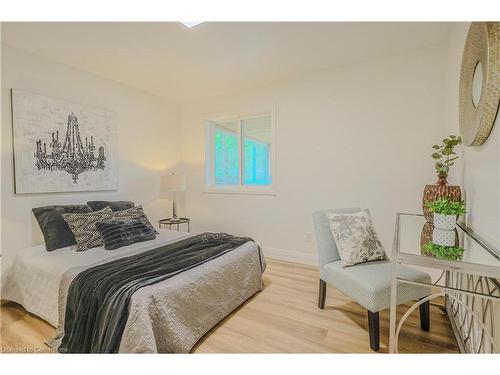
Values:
[(479, 95)]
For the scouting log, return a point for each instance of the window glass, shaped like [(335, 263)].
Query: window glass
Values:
[(257, 137), (226, 154)]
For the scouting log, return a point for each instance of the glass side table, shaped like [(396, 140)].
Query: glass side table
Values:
[(480, 261), (176, 222)]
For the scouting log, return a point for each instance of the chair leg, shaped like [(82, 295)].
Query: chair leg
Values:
[(425, 316), (322, 294), (373, 330)]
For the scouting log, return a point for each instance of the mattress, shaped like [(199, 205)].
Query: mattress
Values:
[(170, 316)]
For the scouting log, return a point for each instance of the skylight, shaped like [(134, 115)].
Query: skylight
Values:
[(190, 25)]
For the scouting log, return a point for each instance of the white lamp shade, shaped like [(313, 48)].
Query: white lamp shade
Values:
[(173, 182)]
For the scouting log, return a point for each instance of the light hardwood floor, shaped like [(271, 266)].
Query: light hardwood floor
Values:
[(283, 318)]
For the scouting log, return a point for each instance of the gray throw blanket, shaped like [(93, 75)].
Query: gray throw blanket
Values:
[(98, 298)]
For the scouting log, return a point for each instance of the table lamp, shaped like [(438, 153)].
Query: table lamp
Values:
[(173, 183)]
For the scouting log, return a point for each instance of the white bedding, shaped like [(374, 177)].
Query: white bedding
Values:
[(170, 316), (34, 276)]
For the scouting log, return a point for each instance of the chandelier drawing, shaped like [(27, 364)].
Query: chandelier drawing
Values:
[(72, 156)]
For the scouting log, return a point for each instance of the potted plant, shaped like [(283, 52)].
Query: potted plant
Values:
[(445, 157), (445, 212), (443, 252)]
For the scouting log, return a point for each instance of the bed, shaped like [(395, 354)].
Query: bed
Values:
[(166, 317)]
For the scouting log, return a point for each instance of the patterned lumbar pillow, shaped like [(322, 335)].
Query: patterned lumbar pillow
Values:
[(356, 238), (122, 232), (132, 213), (84, 227)]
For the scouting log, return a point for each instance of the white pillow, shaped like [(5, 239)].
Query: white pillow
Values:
[(356, 238)]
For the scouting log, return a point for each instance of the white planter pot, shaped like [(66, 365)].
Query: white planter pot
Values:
[(443, 237), (444, 221)]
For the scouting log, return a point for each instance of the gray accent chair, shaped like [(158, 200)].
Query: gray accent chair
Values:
[(368, 283)]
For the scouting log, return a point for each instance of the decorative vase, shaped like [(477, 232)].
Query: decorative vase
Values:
[(426, 235), (447, 222), (440, 189)]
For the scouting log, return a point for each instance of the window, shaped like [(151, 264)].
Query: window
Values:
[(240, 154)]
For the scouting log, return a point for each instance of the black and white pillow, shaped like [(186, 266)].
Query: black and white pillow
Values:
[(83, 226), (132, 213), (114, 205), (123, 232)]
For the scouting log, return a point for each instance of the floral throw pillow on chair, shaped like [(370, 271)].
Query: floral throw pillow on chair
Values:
[(356, 238)]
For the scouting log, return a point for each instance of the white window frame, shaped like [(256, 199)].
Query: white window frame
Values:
[(210, 186)]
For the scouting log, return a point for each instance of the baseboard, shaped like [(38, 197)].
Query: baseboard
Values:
[(290, 255)]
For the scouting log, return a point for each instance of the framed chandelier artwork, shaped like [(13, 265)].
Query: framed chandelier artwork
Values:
[(61, 146)]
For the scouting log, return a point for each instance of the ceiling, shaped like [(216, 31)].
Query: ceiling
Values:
[(181, 64)]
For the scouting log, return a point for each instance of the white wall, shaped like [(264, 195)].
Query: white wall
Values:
[(480, 165), (357, 136), (148, 142)]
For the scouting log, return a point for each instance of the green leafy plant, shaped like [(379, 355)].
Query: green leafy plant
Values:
[(445, 206), (443, 252), (445, 155)]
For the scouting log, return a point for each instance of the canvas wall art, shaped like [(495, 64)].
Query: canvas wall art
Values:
[(60, 146)]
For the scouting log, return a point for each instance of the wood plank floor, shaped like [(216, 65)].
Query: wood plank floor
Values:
[(283, 318)]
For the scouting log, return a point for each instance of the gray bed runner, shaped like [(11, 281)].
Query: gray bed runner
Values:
[(98, 297)]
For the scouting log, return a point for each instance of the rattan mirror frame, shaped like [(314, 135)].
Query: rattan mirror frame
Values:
[(482, 45)]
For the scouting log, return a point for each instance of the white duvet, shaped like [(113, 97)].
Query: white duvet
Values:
[(170, 316)]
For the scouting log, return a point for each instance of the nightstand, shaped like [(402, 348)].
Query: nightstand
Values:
[(176, 222)]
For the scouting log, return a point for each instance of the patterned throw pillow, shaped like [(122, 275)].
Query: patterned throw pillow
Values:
[(114, 205), (132, 213), (120, 232), (356, 239), (83, 226)]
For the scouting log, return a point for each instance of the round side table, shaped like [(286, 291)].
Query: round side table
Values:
[(176, 222)]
